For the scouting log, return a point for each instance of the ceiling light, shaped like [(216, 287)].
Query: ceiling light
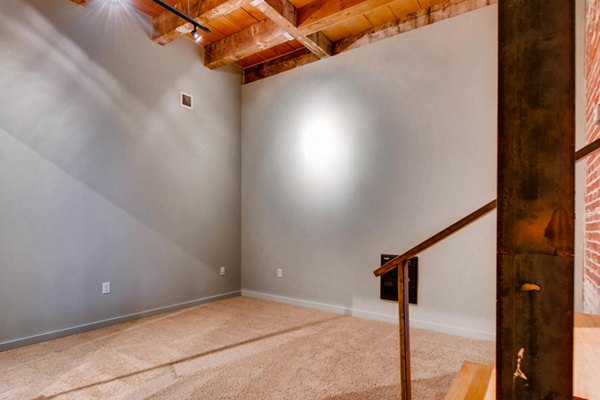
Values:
[(185, 17), (197, 37)]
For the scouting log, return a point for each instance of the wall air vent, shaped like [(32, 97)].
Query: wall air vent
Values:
[(389, 280), (187, 101)]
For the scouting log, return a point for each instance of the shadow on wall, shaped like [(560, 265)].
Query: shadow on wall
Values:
[(125, 139), (104, 176)]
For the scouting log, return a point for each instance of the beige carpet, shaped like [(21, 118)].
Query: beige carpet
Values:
[(240, 348)]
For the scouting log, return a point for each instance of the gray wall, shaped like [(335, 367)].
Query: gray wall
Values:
[(103, 176), (372, 152)]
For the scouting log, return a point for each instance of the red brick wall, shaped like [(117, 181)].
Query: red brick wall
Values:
[(591, 285)]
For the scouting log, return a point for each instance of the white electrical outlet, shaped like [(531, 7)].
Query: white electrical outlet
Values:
[(279, 273), (105, 287), (222, 271)]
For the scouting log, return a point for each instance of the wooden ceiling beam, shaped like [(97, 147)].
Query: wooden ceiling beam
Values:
[(284, 14), (238, 45), (273, 67), (428, 16), (167, 27), (412, 21), (322, 14), (260, 36)]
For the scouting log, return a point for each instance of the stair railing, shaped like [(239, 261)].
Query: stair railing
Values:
[(401, 262)]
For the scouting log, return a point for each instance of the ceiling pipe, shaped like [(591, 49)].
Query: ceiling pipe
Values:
[(184, 17)]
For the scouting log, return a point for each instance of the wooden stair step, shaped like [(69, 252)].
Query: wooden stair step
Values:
[(472, 383)]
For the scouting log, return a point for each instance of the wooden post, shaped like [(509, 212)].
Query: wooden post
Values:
[(404, 330), (536, 175)]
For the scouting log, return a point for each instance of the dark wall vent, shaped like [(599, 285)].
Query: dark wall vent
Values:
[(389, 280), (187, 101)]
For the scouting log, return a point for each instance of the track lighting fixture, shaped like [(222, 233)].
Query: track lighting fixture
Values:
[(197, 37)]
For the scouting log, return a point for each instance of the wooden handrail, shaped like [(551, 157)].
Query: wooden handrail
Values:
[(404, 331), (402, 262), (474, 216), (393, 263), (587, 150)]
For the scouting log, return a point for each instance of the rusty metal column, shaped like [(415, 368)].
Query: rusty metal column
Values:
[(536, 134)]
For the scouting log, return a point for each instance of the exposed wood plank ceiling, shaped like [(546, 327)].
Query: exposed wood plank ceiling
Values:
[(266, 37)]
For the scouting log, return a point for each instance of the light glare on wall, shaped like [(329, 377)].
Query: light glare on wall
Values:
[(325, 153)]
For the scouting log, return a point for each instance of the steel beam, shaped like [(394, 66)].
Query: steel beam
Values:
[(536, 135)]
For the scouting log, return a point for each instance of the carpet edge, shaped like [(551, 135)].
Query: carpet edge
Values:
[(432, 326), (43, 337)]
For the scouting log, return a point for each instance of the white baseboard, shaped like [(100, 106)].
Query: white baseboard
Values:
[(42, 337), (453, 330), (432, 326)]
